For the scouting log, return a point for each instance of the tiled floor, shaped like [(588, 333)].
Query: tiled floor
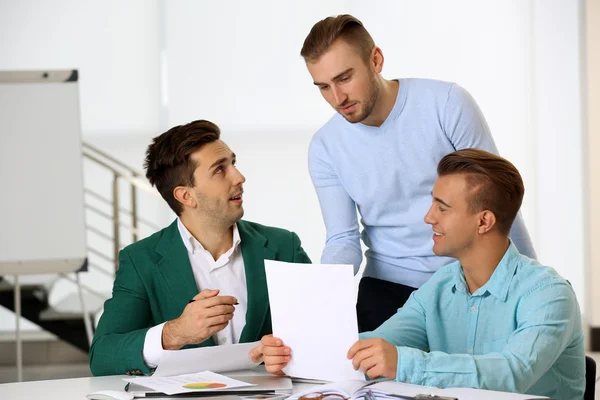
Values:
[(59, 371), (44, 372)]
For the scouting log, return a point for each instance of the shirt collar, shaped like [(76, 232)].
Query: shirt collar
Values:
[(499, 282), (191, 244)]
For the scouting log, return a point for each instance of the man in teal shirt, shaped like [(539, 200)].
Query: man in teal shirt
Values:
[(494, 319)]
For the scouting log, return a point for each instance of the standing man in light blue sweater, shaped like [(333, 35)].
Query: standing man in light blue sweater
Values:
[(379, 154)]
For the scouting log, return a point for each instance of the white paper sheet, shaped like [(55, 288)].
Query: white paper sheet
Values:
[(313, 311), (232, 357), (176, 384)]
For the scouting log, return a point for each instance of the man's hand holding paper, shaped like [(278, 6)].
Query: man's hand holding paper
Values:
[(273, 353), (375, 357)]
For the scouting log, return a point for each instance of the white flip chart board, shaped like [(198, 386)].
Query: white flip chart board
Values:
[(42, 228)]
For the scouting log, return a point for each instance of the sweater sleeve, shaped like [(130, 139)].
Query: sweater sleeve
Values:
[(338, 209)]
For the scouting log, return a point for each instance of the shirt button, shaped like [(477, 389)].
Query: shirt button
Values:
[(470, 350), (224, 340), (473, 308)]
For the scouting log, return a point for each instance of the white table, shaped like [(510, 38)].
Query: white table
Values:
[(78, 388)]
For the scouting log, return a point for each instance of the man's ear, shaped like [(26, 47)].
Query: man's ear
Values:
[(183, 195), (487, 220), (377, 59)]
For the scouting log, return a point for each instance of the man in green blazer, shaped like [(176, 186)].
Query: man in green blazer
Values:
[(201, 281)]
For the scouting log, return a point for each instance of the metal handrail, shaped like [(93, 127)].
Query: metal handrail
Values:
[(135, 181), (121, 209), (112, 159), (100, 254), (99, 268), (106, 215), (104, 235)]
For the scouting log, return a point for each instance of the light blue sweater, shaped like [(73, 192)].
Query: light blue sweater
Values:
[(388, 172)]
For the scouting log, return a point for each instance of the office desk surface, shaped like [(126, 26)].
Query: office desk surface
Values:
[(78, 388)]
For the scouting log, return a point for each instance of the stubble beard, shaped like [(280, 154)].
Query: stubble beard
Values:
[(217, 215), (369, 103)]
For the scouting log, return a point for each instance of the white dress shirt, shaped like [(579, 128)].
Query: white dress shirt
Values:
[(226, 274)]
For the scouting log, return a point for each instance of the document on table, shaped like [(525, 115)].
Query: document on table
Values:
[(232, 357), (355, 390), (313, 312), (198, 382)]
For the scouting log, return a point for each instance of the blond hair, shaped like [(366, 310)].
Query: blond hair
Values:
[(345, 27)]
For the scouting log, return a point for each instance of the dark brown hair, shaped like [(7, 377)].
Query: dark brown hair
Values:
[(168, 163), (494, 183), (325, 32)]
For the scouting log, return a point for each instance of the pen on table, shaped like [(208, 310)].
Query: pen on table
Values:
[(192, 300)]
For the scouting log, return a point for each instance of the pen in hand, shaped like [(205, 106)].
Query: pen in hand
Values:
[(192, 300)]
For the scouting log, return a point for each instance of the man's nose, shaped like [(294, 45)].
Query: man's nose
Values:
[(339, 96), (428, 218), (239, 178)]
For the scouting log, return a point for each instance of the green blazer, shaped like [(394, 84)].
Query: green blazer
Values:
[(155, 281)]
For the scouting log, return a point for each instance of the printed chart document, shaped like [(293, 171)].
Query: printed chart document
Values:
[(231, 357), (198, 382), (313, 312)]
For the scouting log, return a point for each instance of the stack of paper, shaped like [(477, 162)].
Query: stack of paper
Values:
[(232, 357)]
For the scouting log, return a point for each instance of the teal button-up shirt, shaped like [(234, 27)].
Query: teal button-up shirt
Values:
[(520, 332)]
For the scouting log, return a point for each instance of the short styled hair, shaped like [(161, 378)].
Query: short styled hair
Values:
[(493, 183), (345, 27), (168, 163)]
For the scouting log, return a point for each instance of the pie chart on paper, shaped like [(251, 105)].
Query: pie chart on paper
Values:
[(204, 385)]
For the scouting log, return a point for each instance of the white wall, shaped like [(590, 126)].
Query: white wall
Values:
[(558, 137), (237, 63), (591, 15), (113, 44)]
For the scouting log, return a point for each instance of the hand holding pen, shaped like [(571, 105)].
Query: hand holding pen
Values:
[(204, 315)]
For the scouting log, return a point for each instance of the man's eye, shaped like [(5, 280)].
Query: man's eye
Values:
[(345, 79), (219, 170), (322, 88), (442, 209)]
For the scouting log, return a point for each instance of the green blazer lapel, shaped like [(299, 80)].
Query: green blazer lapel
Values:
[(254, 252), (177, 273)]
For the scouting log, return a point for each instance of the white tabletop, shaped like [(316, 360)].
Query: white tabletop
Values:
[(78, 388), (67, 389)]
